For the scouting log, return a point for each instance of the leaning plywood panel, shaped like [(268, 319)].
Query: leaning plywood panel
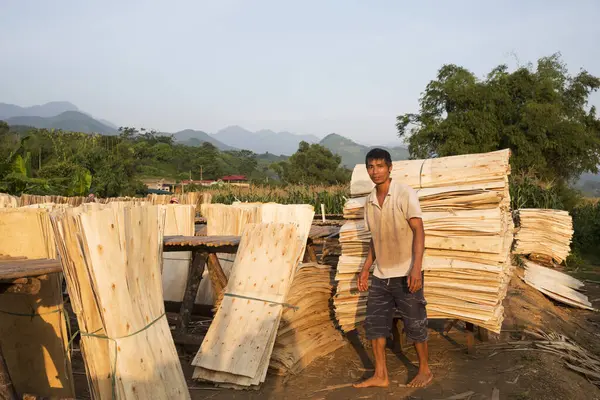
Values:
[(33, 332), (238, 345), (122, 255)]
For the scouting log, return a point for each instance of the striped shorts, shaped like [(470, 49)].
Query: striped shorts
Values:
[(387, 295)]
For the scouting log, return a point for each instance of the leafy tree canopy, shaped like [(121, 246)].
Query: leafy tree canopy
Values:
[(41, 161), (312, 164), (540, 113)]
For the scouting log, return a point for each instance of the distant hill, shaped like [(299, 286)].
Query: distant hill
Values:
[(353, 153), (263, 141), (69, 121), (191, 137), (47, 110)]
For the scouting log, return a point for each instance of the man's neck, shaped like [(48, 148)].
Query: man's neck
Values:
[(384, 187)]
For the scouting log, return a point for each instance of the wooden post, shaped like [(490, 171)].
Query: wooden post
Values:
[(7, 391), (312, 255), (470, 338), (195, 272), (483, 334), (217, 276)]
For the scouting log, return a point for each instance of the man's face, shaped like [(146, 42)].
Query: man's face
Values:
[(379, 171)]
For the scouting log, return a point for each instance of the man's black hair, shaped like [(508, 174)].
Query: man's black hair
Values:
[(379, 154)]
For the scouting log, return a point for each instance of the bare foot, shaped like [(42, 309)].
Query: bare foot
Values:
[(422, 379), (374, 381)]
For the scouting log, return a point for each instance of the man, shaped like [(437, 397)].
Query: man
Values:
[(393, 216)]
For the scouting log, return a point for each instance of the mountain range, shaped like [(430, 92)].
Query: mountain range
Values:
[(67, 116)]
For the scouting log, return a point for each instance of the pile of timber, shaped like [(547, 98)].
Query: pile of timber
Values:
[(111, 257), (308, 332), (33, 332), (29, 199), (8, 201), (193, 198), (556, 285), (468, 236), (544, 235)]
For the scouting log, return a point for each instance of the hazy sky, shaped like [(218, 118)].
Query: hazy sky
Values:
[(344, 66)]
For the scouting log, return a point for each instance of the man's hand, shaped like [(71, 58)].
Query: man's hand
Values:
[(415, 280), (363, 280)]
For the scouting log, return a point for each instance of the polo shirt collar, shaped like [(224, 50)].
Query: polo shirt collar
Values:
[(373, 195)]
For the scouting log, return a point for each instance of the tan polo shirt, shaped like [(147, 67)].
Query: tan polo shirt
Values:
[(392, 235)]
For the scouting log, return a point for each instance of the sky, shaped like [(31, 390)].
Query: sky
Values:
[(310, 67)]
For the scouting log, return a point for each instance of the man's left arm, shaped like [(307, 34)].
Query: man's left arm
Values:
[(415, 278)]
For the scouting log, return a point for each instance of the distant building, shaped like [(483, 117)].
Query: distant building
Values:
[(159, 185), (234, 179)]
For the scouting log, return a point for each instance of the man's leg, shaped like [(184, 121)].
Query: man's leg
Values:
[(380, 308), (414, 315), (424, 376)]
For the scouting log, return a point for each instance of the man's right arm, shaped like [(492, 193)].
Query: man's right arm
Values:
[(363, 276)]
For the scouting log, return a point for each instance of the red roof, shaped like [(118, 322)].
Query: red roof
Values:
[(234, 178)]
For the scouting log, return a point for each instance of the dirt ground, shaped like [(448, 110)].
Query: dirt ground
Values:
[(516, 374)]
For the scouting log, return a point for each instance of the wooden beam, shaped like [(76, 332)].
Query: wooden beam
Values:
[(22, 268), (193, 282), (7, 391), (206, 244)]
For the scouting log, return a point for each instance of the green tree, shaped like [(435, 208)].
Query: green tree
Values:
[(541, 114), (312, 164)]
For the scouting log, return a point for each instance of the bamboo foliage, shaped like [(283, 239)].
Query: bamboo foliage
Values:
[(112, 257)]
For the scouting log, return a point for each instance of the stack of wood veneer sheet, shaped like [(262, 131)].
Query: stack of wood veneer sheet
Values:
[(112, 257), (33, 330), (556, 285), (308, 332), (8, 201), (468, 236), (258, 324), (179, 220), (544, 235)]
